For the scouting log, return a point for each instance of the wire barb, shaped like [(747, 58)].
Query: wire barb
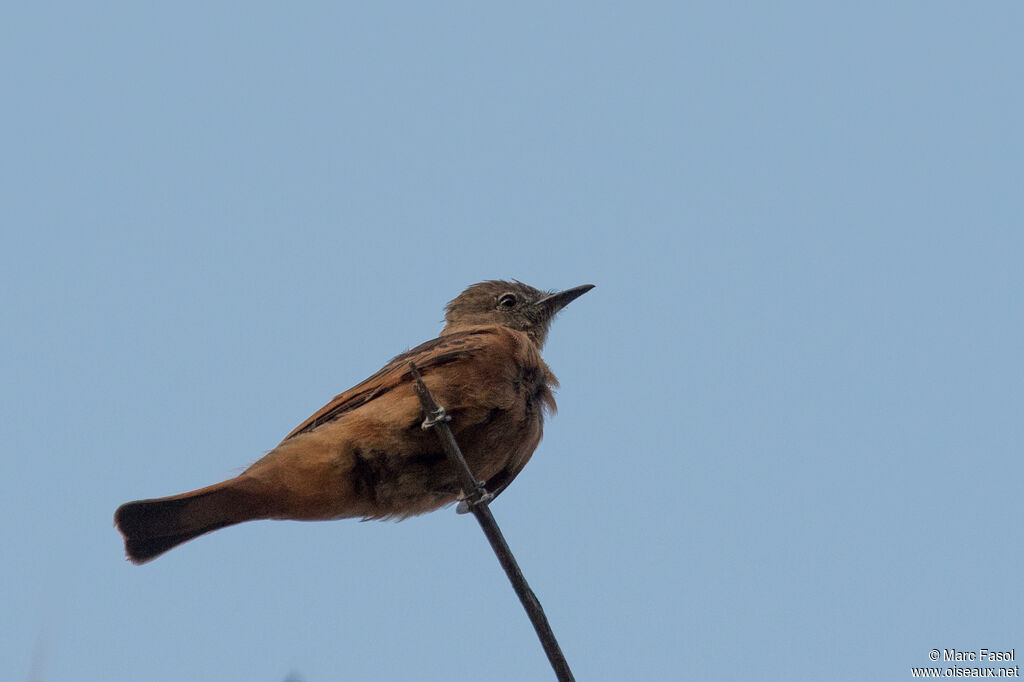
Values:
[(476, 499), (465, 506), (439, 415)]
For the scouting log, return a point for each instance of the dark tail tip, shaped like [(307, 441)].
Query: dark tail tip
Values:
[(142, 549), (151, 527)]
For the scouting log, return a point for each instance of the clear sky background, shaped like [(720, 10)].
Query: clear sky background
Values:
[(789, 437)]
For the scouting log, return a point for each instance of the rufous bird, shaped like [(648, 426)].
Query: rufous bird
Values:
[(365, 455)]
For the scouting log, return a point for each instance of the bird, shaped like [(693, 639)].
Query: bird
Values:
[(364, 454)]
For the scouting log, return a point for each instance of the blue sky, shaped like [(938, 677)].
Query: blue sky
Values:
[(788, 443)]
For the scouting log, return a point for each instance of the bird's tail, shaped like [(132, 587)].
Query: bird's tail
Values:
[(151, 527)]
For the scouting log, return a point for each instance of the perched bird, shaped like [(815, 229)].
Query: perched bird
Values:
[(364, 455)]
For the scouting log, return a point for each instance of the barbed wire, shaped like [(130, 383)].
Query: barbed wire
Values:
[(477, 497)]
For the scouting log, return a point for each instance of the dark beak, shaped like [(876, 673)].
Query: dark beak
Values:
[(555, 302)]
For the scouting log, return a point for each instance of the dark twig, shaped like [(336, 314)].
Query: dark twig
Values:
[(477, 498)]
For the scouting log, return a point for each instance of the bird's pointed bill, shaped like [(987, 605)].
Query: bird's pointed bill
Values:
[(557, 301)]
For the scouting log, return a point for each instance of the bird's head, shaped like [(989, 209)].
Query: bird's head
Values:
[(510, 304)]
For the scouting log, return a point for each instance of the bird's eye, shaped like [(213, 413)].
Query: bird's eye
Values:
[(507, 301)]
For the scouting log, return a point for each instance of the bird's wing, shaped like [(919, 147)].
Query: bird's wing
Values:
[(439, 351), (501, 480)]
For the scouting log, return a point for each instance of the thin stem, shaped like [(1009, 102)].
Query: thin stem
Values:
[(477, 497)]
